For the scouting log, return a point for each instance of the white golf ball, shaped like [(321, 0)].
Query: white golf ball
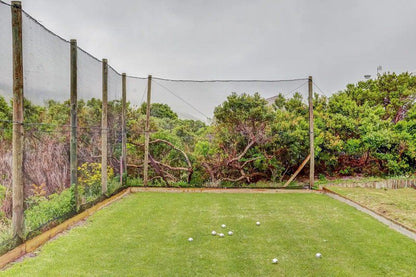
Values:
[(221, 235), (258, 223), (190, 239), (213, 233), (230, 233), (318, 255), (223, 226), (275, 261)]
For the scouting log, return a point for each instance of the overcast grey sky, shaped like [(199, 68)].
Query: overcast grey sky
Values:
[(335, 41)]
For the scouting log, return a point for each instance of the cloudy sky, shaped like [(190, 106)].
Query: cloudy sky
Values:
[(337, 42)]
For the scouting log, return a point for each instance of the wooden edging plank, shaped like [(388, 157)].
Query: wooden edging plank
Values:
[(12, 255), (393, 224), (220, 190), (33, 244)]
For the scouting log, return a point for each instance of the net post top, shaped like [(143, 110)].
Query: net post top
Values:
[(16, 4)]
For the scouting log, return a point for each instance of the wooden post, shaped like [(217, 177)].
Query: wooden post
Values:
[(104, 129), (147, 133), (18, 136), (311, 136), (123, 127), (73, 123)]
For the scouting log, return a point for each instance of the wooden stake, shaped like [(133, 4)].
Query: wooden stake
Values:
[(147, 133), (104, 129), (123, 127), (18, 135), (311, 136), (74, 100)]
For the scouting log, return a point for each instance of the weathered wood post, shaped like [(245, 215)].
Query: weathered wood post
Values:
[(123, 126), (311, 135), (147, 133), (73, 123), (18, 136), (104, 129)]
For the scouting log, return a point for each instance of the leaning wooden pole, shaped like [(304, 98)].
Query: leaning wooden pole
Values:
[(104, 129), (297, 171), (147, 133), (74, 103), (18, 136), (123, 126), (311, 136)]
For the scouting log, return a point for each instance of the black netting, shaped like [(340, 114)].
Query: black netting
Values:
[(114, 129), (5, 124), (226, 132), (5, 53), (48, 197), (89, 127), (136, 96)]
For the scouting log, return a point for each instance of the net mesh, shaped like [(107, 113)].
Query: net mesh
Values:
[(5, 52), (89, 126), (114, 129), (136, 89), (48, 195), (220, 132), (6, 84), (46, 127)]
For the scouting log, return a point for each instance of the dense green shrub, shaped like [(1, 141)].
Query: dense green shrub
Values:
[(55, 207)]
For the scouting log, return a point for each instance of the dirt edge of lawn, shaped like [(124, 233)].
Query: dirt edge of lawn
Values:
[(391, 223)]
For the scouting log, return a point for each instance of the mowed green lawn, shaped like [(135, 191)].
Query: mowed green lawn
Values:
[(146, 234)]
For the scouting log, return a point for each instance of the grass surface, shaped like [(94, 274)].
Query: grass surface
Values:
[(397, 204), (146, 234)]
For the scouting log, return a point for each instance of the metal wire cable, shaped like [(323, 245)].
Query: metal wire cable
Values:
[(43, 26), (4, 3), (144, 92), (229, 81), (186, 102), (115, 71), (58, 36), (54, 126), (297, 88), (136, 77), (319, 88)]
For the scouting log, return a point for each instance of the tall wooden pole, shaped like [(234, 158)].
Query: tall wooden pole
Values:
[(104, 129), (147, 132), (73, 123), (123, 126), (18, 136), (311, 135)]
